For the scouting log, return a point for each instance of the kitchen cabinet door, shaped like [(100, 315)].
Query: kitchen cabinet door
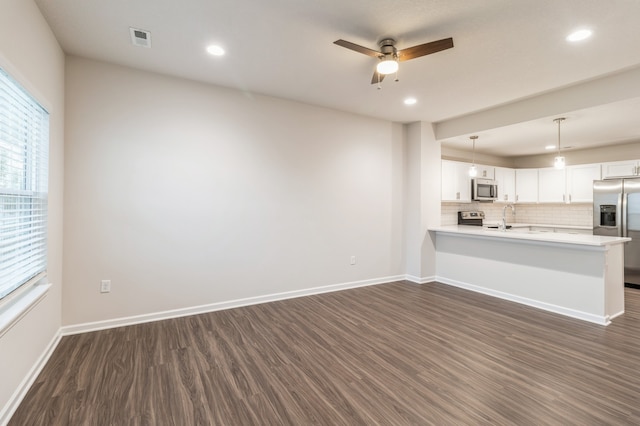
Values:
[(456, 183), (506, 179), (485, 172), (527, 185), (580, 182), (620, 169), (551, 185)]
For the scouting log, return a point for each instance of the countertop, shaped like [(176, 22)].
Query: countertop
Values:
[(537, 225), (527, 235)]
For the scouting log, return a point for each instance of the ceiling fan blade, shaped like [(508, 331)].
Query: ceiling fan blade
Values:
[(358, 48), (377, 77), (425, 49)]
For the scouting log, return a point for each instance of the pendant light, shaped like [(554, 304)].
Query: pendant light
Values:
[(473, 170), (559, 162)]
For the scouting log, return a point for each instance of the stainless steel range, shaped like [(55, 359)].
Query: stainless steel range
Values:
[(471, 218)]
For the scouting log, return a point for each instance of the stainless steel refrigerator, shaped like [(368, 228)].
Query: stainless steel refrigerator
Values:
[(616, 212)]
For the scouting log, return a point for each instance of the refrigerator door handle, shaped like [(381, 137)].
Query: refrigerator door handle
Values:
[(625, 201)]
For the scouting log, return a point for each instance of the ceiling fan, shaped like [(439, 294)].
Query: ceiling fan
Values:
[(390, 56)]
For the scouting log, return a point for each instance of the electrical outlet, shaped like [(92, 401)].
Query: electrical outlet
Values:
[(353, 260), (105, 286)]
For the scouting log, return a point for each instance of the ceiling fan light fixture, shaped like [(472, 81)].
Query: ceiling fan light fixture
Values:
[(388, 56), (387, 66)]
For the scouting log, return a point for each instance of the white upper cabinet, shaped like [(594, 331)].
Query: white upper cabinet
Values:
[(620, 169), (574, 184), (506, 179), (580, 182), (551, 185), (527, 185), (456, 183), (485, 172)]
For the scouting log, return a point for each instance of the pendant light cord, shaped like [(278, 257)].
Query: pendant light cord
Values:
[(473, 152), (559, 137), (559, 120), (473, 156)]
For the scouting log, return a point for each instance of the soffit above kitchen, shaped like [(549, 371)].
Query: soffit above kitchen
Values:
[(504, 52)]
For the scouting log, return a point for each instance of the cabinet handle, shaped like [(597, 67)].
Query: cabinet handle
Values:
[(516, 197), (457, 195), (569, 197), (506, 197), (564, 200)]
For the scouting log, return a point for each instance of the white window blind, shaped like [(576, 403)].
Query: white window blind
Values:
[(24, 153)]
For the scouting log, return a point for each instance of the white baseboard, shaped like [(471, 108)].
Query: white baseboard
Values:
[(419, 280), (212, 307), (616, 315), (27, 382), (585, 316)]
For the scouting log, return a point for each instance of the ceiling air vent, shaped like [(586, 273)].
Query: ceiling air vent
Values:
[(140, 38)]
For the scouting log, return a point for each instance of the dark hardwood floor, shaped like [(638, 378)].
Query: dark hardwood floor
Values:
[(393, 354)]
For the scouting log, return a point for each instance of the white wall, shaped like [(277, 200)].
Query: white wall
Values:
[(422, 168), (610, 88), (430, 198), (465, 156), (412, 200), (30, 53), (608, 153), (185, 194), (620, 152), (579, 281)]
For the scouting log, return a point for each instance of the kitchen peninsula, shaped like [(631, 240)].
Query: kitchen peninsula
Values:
[(577, 275)]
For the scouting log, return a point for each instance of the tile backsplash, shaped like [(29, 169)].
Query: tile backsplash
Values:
[(547, 214)]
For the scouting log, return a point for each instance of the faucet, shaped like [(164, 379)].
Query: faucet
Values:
[(503, 227)]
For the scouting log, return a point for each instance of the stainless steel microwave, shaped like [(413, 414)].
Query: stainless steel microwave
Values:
[(484, 190)]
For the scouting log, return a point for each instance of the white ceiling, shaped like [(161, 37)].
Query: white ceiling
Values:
[(505, 51)]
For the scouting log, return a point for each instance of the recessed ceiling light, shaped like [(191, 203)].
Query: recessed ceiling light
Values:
[(549, 147), (410, 101), (215, 50), (579, 35)]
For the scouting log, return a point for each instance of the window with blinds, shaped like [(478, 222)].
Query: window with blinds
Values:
[(24, 152)]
